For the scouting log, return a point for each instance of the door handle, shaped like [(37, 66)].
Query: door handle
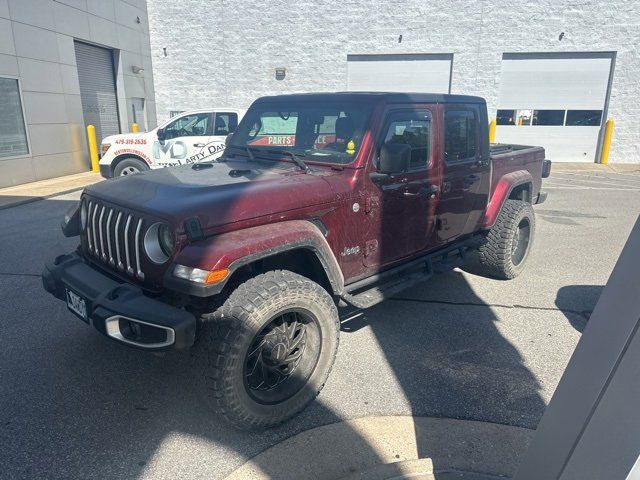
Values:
[(199, 145), (424, 192)]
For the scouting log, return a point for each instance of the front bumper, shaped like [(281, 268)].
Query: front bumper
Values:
[(118, 310), (105, 170)]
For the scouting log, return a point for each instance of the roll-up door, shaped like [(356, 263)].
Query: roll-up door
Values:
[(98, 89), (555, 100), (429, 73)]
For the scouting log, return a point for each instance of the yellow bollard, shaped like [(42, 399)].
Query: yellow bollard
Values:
[(93, 148), (492, 131), (606, 143), (134, 128)]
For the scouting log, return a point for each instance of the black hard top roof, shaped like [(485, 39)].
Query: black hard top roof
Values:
[(388, 97)]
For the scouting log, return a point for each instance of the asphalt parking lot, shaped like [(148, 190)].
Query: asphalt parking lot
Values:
[(74, 405)]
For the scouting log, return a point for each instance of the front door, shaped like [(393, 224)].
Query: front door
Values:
[(185, 140), (402, 214), (466, 177)]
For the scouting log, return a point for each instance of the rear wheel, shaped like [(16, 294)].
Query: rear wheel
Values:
[(268, 349), (508, 243), (129, 166)]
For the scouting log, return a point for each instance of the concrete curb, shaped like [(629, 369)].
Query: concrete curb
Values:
[(417, 470), (385, 447)]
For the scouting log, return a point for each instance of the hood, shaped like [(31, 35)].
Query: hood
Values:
[(218, 194)]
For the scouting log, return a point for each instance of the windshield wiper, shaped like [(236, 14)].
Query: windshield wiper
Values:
[(297, 160)]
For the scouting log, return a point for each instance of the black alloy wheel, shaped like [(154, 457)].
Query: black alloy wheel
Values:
[(282, 357)]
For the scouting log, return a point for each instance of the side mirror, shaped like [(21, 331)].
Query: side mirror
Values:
[(394, 158), (227, 139), (162, 135)]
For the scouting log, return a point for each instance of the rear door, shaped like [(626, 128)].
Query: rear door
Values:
[(466, 173), (403, 223), (224, 123)]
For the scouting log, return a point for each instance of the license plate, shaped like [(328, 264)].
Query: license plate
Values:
[(77, 305)]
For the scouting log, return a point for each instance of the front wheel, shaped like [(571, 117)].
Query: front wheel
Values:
[(508, 243), (129, 166), (268, 349)]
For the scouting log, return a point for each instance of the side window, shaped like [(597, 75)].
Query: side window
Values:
[(194, 125), (226, 123), (460, 134), (414, 129)]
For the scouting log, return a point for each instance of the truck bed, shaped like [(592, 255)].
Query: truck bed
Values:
[(506, 158)]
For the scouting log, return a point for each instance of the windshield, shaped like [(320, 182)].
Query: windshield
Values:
[(329, 132)]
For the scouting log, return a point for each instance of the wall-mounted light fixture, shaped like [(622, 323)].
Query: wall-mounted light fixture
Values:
[(135, 69), (281, 72)]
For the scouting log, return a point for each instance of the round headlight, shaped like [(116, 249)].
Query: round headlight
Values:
[(167, 240), (83, 215), (159, 242)]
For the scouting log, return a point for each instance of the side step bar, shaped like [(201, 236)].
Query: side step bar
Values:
[(372, 290)]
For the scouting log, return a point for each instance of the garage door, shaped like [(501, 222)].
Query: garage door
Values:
[(98, 89), (554, 100), (400, 73)]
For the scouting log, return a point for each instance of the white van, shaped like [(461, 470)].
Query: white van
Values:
[(189, 137)]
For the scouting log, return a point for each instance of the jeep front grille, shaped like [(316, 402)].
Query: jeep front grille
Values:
[(114, 236)]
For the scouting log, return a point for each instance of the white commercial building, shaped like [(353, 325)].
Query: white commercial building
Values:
[(552, 72)]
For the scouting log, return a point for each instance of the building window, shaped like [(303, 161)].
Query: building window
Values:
[(506, 117), (173, 113), (548, 117), (13, 134), (459, 135), (584, 118)]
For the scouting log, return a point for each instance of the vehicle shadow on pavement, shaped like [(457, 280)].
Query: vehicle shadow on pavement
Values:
[(450, 358), (75, 405), (577, 302)]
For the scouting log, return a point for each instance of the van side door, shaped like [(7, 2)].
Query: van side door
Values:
[(466, 172)]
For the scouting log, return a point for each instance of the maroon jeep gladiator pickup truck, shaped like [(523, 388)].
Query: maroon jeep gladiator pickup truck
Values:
[(320, 201)]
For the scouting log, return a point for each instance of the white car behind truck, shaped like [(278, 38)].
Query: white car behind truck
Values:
[(189, 137)]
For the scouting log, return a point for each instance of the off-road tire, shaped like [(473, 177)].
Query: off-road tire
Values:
[(495, 255), (128, 165), (229, 332)]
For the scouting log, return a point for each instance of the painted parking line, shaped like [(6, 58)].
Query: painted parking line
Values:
[(587, 181), (601, 179), (565, 187)]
